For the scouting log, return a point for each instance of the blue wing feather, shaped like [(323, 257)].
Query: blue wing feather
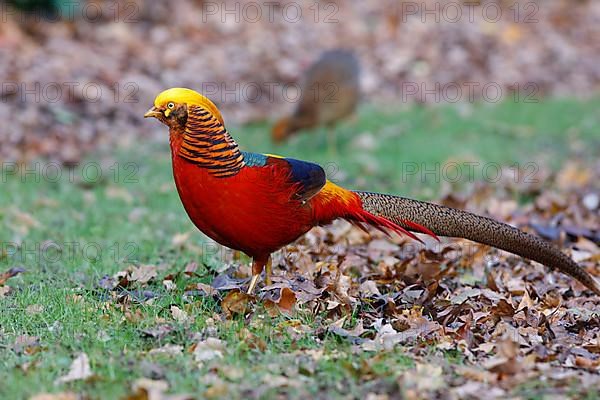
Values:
[(310, 176), (254, 159)]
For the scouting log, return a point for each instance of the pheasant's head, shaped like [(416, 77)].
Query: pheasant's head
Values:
[(197, 131), (171, 107)]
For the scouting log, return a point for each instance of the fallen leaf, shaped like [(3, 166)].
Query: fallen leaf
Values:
[(526, 302), (190, 269), (206, 289), (34, 309), (235, 303), (180, 239), (159, 332), (352, 335), (424, 378), (342, 286), (217, 390), (287, 299), (505, 363), (208, 350), (148, 389), (25, 344), (168, 349), (179, 315), (169, 285), (226, 282), (368, 289), (4, 290), (283, 299), (80, 369), (253, 341), (143, 273), (25, 221)]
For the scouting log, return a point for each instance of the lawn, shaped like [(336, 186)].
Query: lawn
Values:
[(71, 235)]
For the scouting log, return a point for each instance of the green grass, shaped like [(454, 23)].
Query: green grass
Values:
[(135, 221)]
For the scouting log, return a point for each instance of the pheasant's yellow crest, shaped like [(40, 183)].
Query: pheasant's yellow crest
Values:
[(189, 97)]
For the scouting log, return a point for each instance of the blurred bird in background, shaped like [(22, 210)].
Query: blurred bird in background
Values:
[(330, 91)]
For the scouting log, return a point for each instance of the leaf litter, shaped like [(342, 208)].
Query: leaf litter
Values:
[(510, 321)]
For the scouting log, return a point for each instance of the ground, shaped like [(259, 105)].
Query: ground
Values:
[(110, 295)]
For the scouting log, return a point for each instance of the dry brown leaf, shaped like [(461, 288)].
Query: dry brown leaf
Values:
[(148, 389), (180, 315), (159, 332), (168, 349), (190, 268), (369, 288), (285, 303), (34, 309), (342, 287), (526, 302), (253, 341), (337, 328), (207, 289), (25, 344), (169, 285), (4, 290), (207, 350), (143, 273), (235, 303), (573, 175), (79, 370), (424, 378), (180, 239)]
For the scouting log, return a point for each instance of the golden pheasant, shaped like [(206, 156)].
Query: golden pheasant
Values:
[(258, 203), (330, 91)]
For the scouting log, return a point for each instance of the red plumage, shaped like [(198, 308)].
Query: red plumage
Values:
[(256, 210), (253, 211)]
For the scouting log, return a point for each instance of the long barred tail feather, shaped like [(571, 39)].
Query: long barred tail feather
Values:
[(413, 215)]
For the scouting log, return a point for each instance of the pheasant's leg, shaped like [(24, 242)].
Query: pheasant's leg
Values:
[(268, 271), (253, 283), (257, 268)]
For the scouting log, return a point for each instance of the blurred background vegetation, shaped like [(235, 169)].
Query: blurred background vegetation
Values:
[(77, 77)]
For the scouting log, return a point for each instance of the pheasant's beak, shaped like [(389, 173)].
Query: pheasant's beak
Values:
[(153, 113)]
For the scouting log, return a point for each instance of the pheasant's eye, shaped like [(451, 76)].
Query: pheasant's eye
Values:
[(171, 105)]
